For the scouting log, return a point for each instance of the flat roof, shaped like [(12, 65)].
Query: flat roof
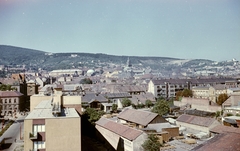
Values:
[(44, 110)]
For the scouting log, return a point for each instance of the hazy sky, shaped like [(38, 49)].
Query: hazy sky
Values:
[(189, 29)]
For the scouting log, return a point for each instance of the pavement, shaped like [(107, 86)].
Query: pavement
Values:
[(14, 135)]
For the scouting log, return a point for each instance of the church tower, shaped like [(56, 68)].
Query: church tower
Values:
[(129, 63)]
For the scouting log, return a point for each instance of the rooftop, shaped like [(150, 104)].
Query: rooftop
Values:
[(137, 116), (225, 129), (44, 110), (196, 120), (10, 94), (221, 142), (121, 130)]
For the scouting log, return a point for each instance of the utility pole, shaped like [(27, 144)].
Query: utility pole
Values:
[(20, 132)]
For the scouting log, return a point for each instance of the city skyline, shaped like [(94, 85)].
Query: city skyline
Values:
[(177, 29)]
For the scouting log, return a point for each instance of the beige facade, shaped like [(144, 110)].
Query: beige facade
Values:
[(10, 102), (200, 92), (215, 91), (54, 122), (72, 101), (45, 130)]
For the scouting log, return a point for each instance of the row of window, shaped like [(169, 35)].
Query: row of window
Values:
[(9, 100), (38, 128), (38, 145)]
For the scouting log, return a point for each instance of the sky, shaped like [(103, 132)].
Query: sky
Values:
[(186, 29)]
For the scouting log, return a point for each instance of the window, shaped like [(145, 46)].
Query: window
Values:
[(9, 100), (38, 145), (38, 128), (5, 100), (15, 101)]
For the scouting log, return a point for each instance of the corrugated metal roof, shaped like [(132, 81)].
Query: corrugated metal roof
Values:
[(137, 116), (122, 130), (196, 120)]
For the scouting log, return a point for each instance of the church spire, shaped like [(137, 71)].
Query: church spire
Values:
[(129, 63)]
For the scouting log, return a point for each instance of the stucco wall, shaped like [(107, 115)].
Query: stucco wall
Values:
[(111, 137), (63, 134), (36, 99), (71, 100), (195, 127), (137, 143), (28, 144)]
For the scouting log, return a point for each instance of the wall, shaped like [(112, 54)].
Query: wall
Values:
[(199, 104), (111, 137), (158, 119), (135, 145), (195, 127), (172, 131), (28, 144), (72, 100), (63, 134), (36, 99)]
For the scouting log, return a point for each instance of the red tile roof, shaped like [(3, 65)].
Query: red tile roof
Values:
[(4, 94), (137, 116), (121, 130)]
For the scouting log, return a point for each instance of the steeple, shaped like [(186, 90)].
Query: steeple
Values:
[(129, 63)]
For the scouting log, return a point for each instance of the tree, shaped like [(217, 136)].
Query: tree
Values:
[(152, 143), (114, 107), (184, 93), (92, 115), (4, 87), (222, 98), (126, 102), (187, 93), (148, 103), (178, 95), (217, 114), (161, 107), (86, 81), (139, 106)]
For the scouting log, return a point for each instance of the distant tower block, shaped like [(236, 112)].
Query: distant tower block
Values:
[(129, 63)]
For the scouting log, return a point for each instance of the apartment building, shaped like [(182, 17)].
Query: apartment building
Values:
[(10, 102), (53, 124), (168, 88), (50, 127), (201, 92), (71, 96)]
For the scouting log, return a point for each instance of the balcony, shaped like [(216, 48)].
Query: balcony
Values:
[(37, 149), (37, 136), (32, 136)]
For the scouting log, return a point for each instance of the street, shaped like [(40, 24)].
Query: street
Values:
[(14, 135)]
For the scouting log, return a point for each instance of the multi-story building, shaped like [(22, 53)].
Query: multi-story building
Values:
[(201, 92), (51, 127), (71, 96), (215, 91), (53, 123), (168, 88), (10, 102)]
